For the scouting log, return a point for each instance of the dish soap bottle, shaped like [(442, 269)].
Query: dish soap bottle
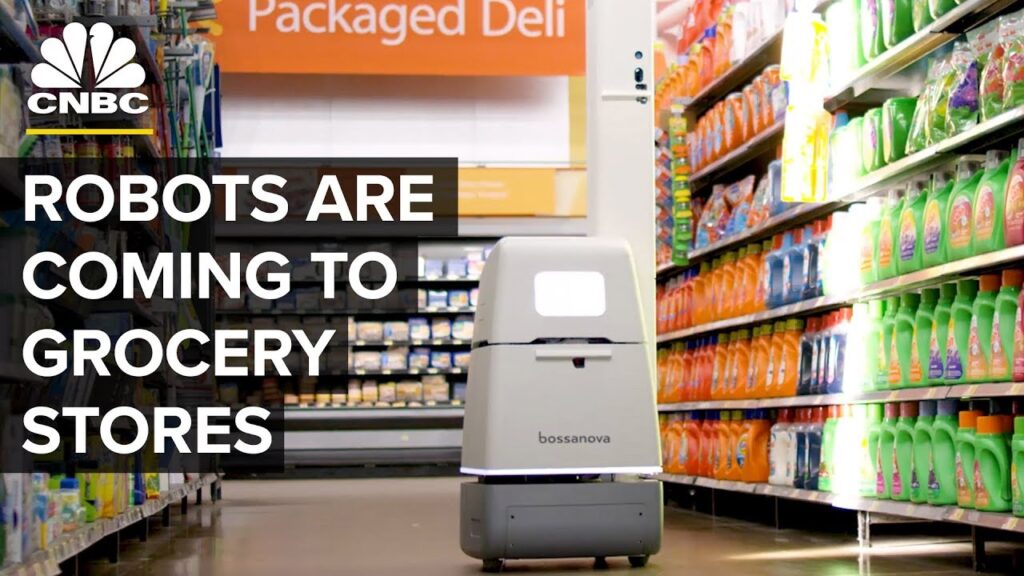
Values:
[(979, 343), (935, 217), (910, 257), (960, 210), (988, 204)]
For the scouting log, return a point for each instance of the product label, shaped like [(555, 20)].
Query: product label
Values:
[(894, 361), (741, 454), (867, 252), (1018, 498), (933, 479), (908, 236), (884, 243), (1014, 207), (977, 367), (879, 475), (954, 367), (960, 222), (981, 496), (1018, 346), (984, 213), (936, 364), (915, 360), (999, 367), (932, 227), (897, 477), (963, 488)]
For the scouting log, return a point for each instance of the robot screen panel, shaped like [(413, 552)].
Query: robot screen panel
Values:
[(574, 294)]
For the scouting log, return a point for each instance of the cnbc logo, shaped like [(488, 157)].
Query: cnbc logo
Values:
[(63, 74)]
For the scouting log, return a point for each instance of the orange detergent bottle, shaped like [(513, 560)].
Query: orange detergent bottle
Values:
[(723, 441), (732, 471), (687, 320), (759, 362), (753, 447), (772, 383), (671, 450), (700, 304), (714, 291), (692, 435), (761, 292), (663, 361), (752, 278), (718, 371), (789, 368), (678, 379), (742, 364), (728, 283)]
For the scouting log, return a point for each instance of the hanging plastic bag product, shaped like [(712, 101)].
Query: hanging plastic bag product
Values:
[(962, 105), (1013, 68), (990, 90), (938, 100), (917, 137)]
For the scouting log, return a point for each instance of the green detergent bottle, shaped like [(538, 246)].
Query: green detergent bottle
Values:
[(939, 7), (886, 455), (1003, 326), (923, 325), (921, 464), (935, 218), (979, 343), (897, 21), (958, 337), (871, 153), (886, 247), (989, 203), (940, 334), (892, 307), (871, 40), (869, 240), (903, 341), (1017, 463), (960, 209), (922, 15), (873, 357), (942, 464), (992, 465), (965, 458), (903, 448), (910, 256), (869, 472), (827, 468), (897, 114)]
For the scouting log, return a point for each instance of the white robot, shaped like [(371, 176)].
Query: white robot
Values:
[(560, 411)]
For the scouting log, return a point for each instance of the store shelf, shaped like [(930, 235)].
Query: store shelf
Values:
[(756, 146), (427, 342), (987, 390), (943, 30), (468, 227), (405, 372), (360, 414), (428, 310), (992, 520), (15, 45), (46, 562), (784, 221), (741, 73), (928, 276)]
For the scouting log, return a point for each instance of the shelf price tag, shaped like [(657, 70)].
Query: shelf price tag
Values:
[(957, 515)]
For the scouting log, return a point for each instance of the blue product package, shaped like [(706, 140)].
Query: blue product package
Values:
[(458, 299), (433, 268), (457, 268), (440, 359), (419, 359), (459, 391), (437, 298), (419, 329)]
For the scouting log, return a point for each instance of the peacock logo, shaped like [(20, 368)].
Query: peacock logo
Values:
[(63, 73)]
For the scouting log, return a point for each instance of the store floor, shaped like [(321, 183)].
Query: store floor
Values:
[(410, 526)]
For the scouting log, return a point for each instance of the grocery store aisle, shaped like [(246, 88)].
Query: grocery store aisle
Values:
[(410, 526)]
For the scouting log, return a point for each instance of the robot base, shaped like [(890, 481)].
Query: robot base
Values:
[(561, 520)]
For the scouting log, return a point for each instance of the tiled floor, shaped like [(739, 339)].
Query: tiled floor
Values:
[(410, 527)]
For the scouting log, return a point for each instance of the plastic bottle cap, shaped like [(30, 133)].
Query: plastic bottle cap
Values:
[(993, 158), (833, 412), (929, 296), (908, 410), (753, 249), (1013, 278), (892, 304), (767, 330), (794, 324), (729, 258), (798, 236), (948, 407), (910, 300), (892, 411), (969, 418), (926, 408), (743, 334), (737, 414), (989, 282), (780, 326), (742, 253), (992, 425), (947, 291), (874, 412), (1018, 425), (777, 242), (813, 324), (767, 245), (968, 288)]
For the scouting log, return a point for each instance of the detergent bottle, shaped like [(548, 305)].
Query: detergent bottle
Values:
[(958, 339), (822, 351), (836, 365), (872, 212), (1003, 326), (886, 461), (935, 232), (803, 418), (759, 372), (736, 431), (718, 375), (692, 433), (897, 21), (814, 431), (910, 256), (960, 209), (992, 465), (903, 341), (828, 442), (965, 458), (919, 348), (921, 464), (708, 445), (869, 471), (892, 306), (809, 358), (789, 362), (1013, 217), (989, 204), (942, 489), (781, 449), (903, 448), (773, 384), (754, 446), (741, 365), (872, 42), (722, 454), (1017, 465), (793, 268), (979, 346), (873, 344), (937, 345), (887, 222), (762, 292)]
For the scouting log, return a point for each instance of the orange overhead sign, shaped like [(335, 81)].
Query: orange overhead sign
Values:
[(409, 37)]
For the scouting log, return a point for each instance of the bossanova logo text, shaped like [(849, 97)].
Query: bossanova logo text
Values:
[(574, 439), (65, 69)]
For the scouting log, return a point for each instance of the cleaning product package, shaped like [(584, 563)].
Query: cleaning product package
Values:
[(938, 100), (910, 257), (917, 135), (872, 43), (935, 231), (897, 114), (871, 141), (991, 84), (962, 103), (986, 229), (897, 21), (1013, 206), (960, 208), (1003, 328), (1013, 66)]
